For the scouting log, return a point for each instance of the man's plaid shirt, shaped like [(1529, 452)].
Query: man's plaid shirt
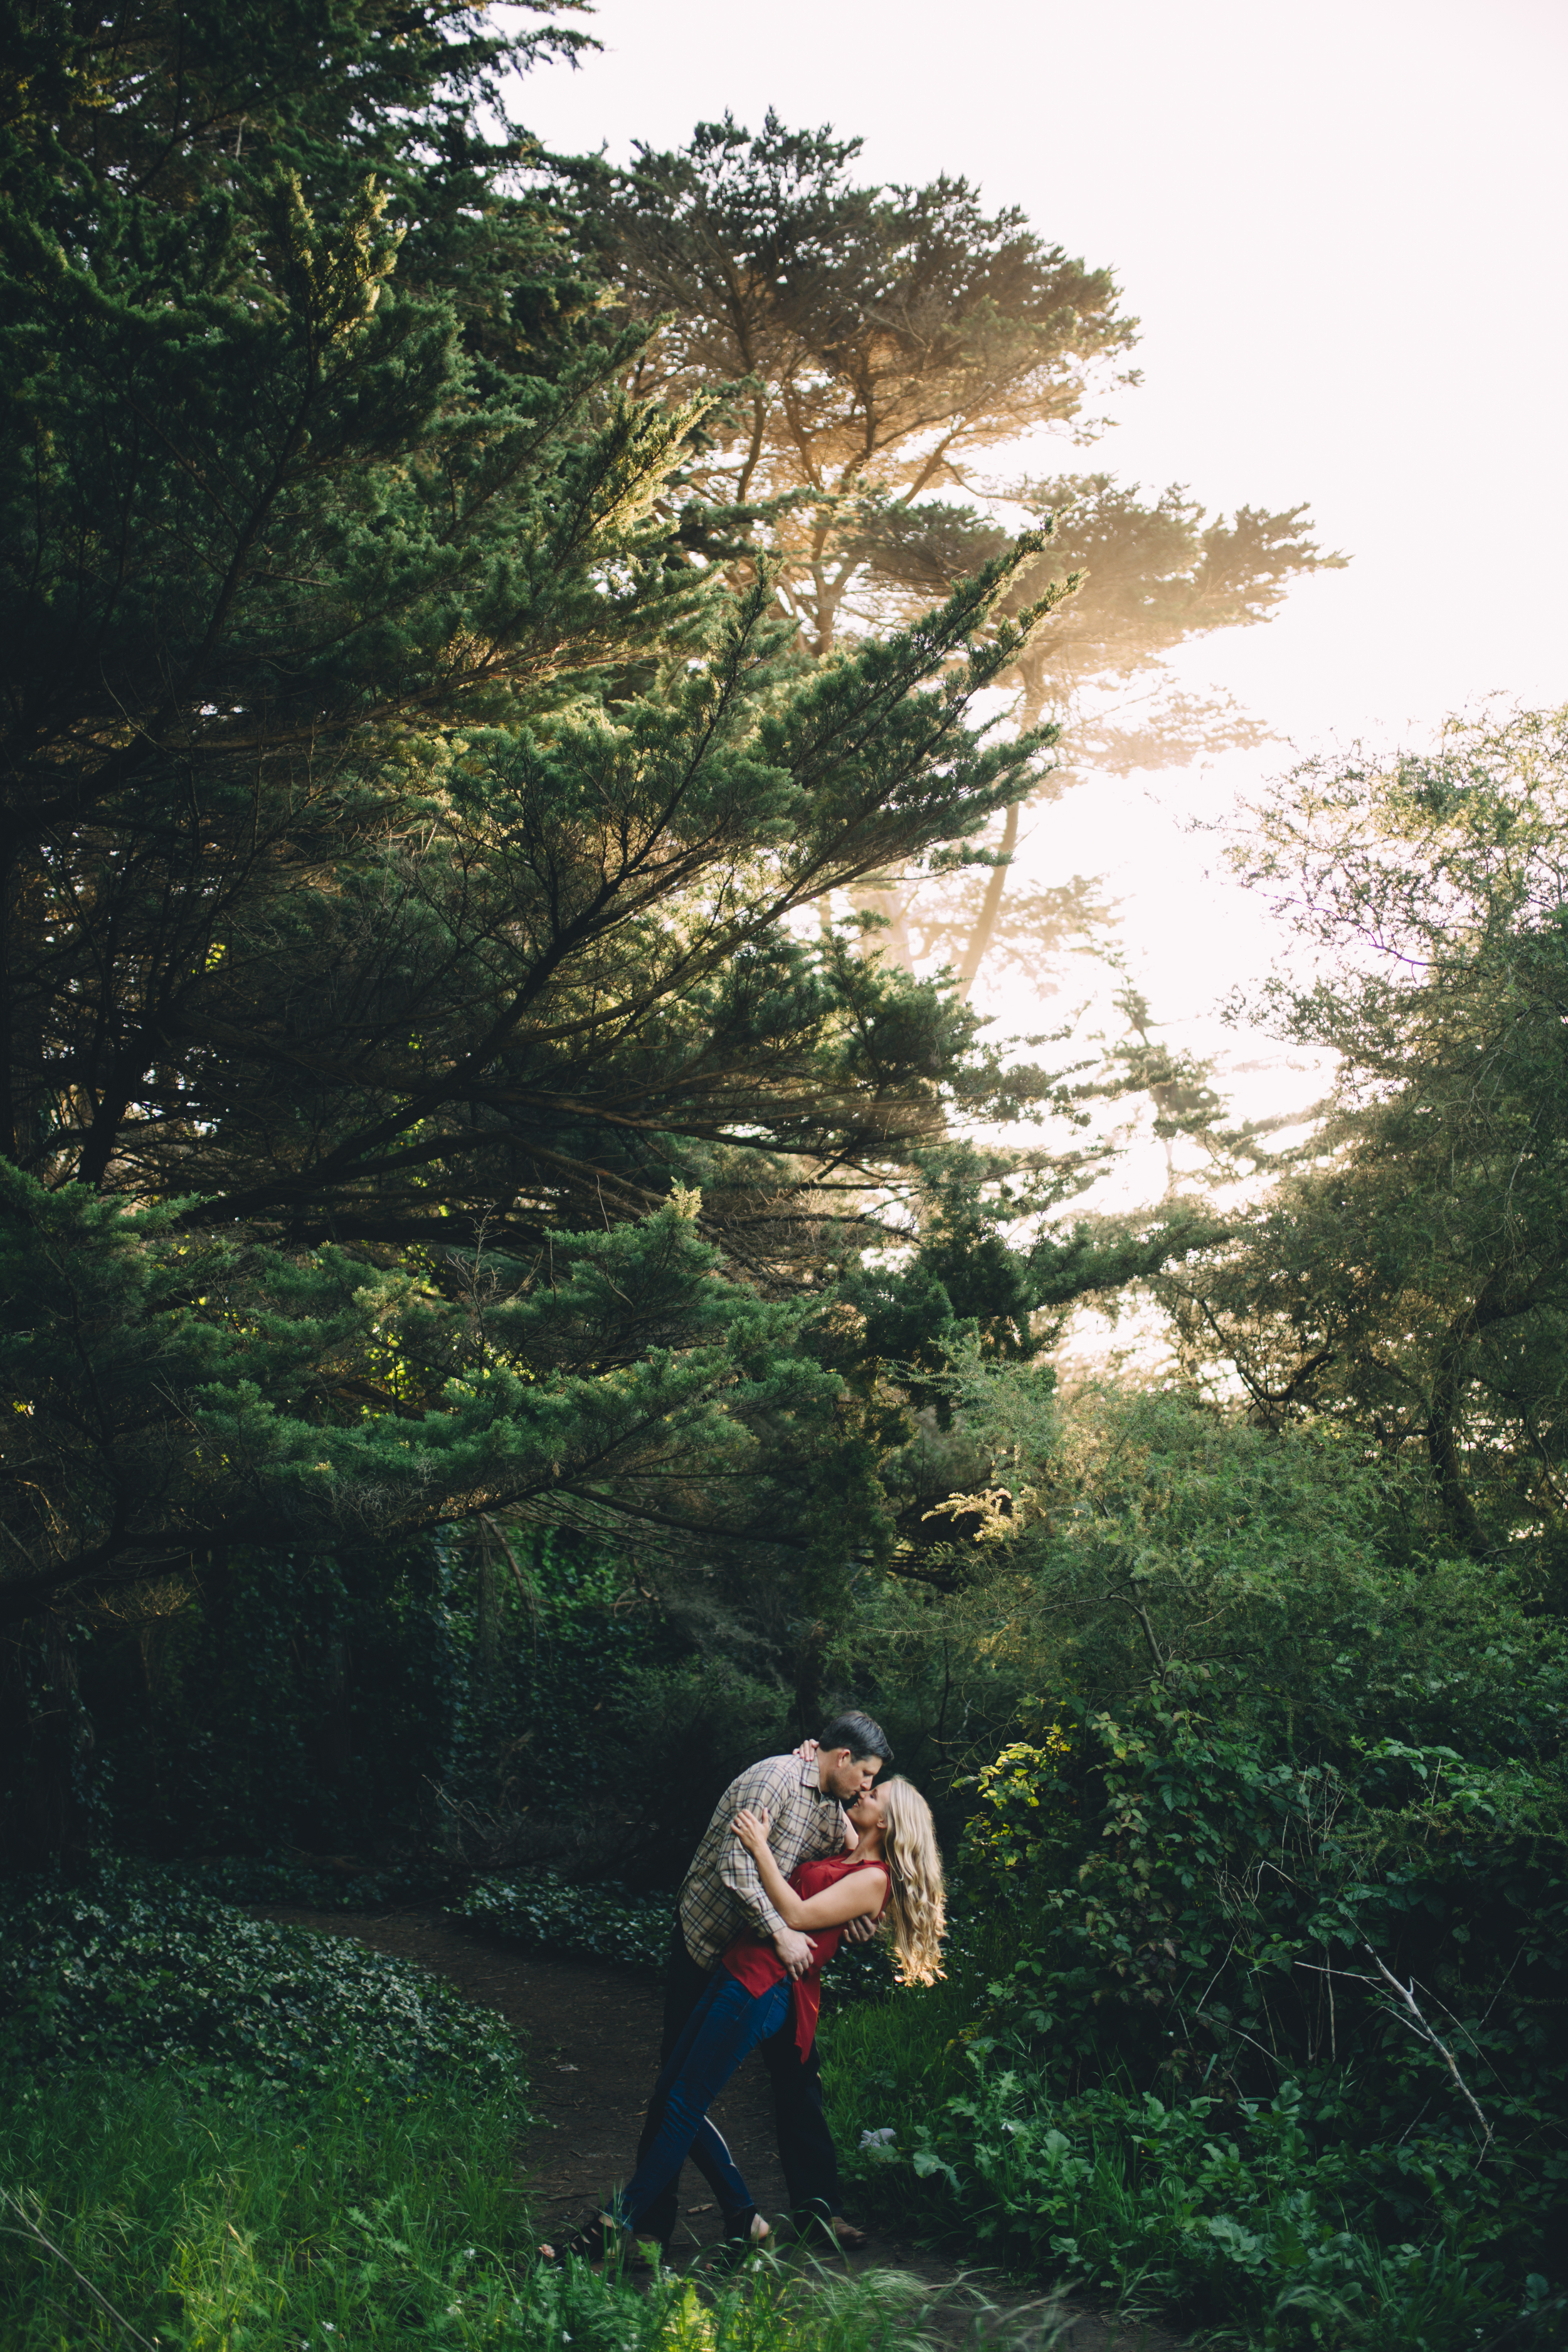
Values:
[(722, 1892)]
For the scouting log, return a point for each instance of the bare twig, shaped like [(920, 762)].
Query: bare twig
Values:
[(1417, 2024)]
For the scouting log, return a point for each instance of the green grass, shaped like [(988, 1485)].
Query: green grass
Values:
[(213, 2220), (250, 2224)]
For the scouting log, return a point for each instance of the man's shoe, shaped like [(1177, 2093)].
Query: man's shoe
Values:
[(812, 2226), (745, 2235)]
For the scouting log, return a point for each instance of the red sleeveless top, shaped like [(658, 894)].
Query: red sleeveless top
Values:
[(757, 1965)]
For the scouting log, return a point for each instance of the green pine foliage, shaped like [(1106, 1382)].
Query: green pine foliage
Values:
[(500, 1285), (422, 1098)]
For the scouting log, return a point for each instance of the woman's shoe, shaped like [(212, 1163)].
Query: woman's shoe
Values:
[(590, 2244)]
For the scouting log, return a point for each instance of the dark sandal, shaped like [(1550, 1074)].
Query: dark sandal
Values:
[(590, 2244), (845, 2235)]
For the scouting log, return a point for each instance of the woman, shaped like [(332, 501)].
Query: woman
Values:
[(895, 1866)]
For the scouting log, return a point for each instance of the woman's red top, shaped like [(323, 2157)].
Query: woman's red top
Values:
[(757, 1965)]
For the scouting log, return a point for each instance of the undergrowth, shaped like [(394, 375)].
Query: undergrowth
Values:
[(1268, 2224), (537, 1911), (220, 2135)]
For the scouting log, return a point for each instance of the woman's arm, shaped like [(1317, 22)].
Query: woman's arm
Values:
[(859, 1896), (752, 1829)]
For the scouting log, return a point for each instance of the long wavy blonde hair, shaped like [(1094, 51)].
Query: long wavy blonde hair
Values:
[(916, 1913)]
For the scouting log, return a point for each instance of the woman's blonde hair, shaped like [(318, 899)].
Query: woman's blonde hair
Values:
[(916, 1903)]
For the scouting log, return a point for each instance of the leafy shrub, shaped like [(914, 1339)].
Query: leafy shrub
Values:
[(1235, 2213), (1242, 2214), (1171, 2058), (130, 1967), (1220, 1913), (542, 1912)]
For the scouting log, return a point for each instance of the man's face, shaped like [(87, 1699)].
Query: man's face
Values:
[(850, 1776)]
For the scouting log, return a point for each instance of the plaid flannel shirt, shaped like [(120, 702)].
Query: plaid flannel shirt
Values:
[(722, 1891)]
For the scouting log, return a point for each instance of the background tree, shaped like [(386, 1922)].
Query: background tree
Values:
[(870, 345), (1410, 1276), (870, 341)]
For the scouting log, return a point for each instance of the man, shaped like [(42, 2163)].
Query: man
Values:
[(804, 1796)]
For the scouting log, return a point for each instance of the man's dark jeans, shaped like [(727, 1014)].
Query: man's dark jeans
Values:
[(805, 2145)]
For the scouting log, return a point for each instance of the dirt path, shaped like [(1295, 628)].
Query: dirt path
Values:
[(592, 2039)]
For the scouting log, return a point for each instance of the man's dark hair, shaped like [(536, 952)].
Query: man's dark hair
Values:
[(860, 1734)]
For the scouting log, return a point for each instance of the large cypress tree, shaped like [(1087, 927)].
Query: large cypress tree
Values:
[(420, 1097)]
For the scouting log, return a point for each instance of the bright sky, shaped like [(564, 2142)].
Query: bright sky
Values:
[(1343, 230)]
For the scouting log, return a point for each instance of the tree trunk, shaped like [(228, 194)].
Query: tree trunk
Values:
[(894, 942), (45, 1742), (22, 1122), (990, 908)]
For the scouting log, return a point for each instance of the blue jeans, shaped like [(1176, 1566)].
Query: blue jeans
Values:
[(724, 2029), (805, 2144)]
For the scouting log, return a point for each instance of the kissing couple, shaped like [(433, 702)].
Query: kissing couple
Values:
[(801, 1851)]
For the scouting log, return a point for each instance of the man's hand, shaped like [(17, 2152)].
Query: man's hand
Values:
[(861, 1930), (793, 1950)]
